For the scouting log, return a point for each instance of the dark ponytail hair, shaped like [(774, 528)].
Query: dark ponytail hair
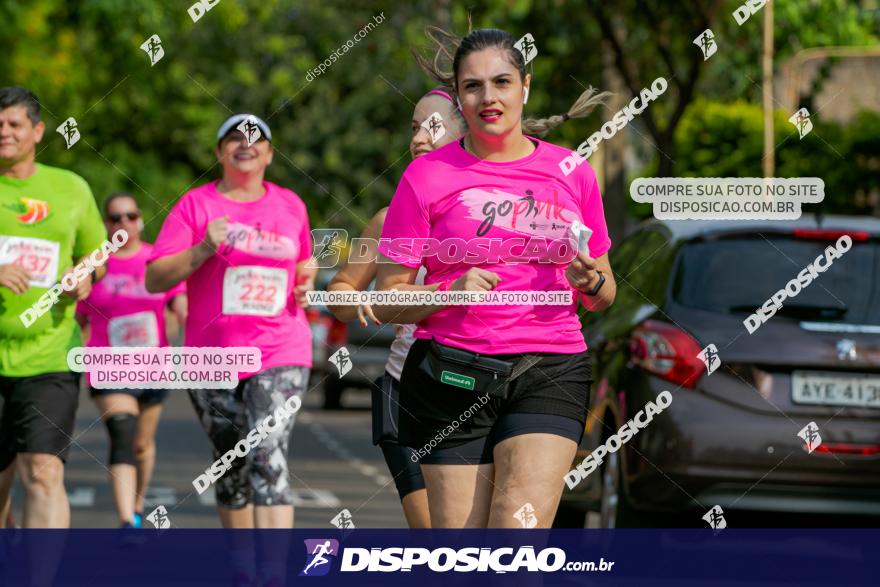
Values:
[(451, 48)]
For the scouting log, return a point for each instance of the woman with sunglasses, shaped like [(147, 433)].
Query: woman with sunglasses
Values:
[(121, 312)]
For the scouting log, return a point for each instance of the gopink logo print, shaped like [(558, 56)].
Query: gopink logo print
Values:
[(524, 214), (320, 553), (259, 241)]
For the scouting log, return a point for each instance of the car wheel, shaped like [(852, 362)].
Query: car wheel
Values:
[(614, 510), (610, 492)]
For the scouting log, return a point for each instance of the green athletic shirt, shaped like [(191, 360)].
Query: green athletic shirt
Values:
[(47, 223)]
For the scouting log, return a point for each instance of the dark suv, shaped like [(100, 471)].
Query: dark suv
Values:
[(730, 438)]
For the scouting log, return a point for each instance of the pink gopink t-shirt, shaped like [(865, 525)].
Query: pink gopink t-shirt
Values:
[(451, 194), (120, 310), (243, 294)]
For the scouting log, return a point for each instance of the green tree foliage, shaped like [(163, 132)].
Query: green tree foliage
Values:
[(341, 139)]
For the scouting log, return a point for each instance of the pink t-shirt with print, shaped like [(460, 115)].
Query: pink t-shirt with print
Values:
[(450, 193), (243, 294), (121, 311)]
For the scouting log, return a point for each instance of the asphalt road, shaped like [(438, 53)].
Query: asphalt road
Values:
[(333, 465)]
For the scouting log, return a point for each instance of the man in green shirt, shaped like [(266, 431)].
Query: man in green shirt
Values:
[(48, 222)]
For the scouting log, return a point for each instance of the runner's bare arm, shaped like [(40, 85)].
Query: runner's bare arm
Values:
[(84, 287), (305, 281), (14, 278), (394, 276), (166, 272), (583, 275), (359, 270)]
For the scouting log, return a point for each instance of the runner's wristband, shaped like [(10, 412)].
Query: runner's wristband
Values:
[(596, 287)]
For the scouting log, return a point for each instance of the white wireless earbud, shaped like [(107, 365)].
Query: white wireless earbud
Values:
[(525, 94), (458, 103), (140, 223)]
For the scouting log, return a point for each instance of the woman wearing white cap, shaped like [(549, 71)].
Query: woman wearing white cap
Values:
[(242, 245)]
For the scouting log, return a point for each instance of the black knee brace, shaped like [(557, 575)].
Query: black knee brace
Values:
[(122, 429)]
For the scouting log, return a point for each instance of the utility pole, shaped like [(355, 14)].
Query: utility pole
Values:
[(767, 61)]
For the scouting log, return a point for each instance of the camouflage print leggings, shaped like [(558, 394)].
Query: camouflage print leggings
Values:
[(227, 415)]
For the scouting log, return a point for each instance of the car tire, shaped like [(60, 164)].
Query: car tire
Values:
[(614, 509)]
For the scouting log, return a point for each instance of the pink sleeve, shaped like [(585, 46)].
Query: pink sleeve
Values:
[(305, 236), (177, 290), (408, 219), (593, 213), (178, 232)]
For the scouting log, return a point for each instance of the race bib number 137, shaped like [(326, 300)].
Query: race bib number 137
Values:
[(37, 256), (254, 290)]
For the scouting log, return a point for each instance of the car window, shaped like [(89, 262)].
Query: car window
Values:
[(737, 275)]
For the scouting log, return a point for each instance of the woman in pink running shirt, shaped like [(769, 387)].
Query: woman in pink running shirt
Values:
[(121, 312), (500, 214), (243, 244)]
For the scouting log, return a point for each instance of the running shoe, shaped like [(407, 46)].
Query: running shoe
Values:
[(138, 521)]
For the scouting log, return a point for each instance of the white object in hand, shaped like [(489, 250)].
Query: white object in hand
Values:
[(583, 234)]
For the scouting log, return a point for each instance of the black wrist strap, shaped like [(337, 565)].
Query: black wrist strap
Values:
[(598, 286)]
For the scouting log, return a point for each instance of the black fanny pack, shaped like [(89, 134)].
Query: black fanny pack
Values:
[(472, 371)]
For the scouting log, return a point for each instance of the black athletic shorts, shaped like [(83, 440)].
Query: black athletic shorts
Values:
[(37, 415), (401, 460), (146, 397), (448, 424)]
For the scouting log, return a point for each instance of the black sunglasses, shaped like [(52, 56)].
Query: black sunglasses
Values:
[(130, 215)]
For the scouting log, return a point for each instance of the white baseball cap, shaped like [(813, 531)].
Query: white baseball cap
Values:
[(233, 121)]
